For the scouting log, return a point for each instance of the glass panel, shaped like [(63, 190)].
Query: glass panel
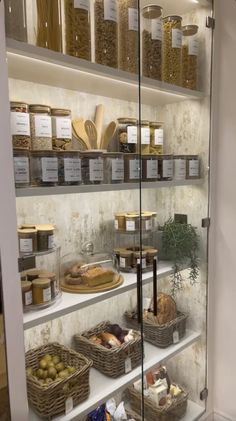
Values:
[(4, 398)]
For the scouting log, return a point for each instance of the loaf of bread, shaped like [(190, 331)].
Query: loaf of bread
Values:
[(97, 276), (166, 310), (110, 339)]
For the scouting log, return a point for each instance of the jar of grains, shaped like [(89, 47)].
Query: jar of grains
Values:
[(152, 41), (193, 167), (157, 137), (172, 50), (41, 127), (48, 24), (127, 134), (69, 168), (78, 32), (92, 167), (132, 168), (165, 167), (41, 291), (149, 168), (106, 32), (21, 168), (26, 289), (145, 137), (44, 168), (27, 240), (15, 19), (179, 167), (61, 128), (128, 35), (190, 56), (113, 167), (20, 125)]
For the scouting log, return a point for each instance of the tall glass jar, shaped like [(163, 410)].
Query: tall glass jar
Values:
[(61, 128), (15, 20), (172, 50), (48, 24), (190, 56), (128, 35), (41, 127), (157, 137), (106, 32), (78, 32), (152, 41)]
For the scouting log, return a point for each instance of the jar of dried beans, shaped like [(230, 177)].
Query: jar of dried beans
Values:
[(78, 32), (106, 32), (20, 125), (128, 35), (190, 56), (41, 127), (172, 50), (152, 41)]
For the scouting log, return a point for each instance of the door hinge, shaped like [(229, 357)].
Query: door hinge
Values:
[(206, 222), (204, 394), (26, 263), (210, 22)]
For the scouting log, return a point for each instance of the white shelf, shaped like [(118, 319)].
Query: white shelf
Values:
[(39, 65), (103, 387), (73, 302), (94, 188)]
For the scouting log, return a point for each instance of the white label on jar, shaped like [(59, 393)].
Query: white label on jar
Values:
[(43, 126), (180, 169), (117, 169), (20, 124), (176, 38), (158, 137), (81, 4), (148, 225), (49, 169), (145, 136), (134, 169), (157, 29), (116, 223), (193, 168), (151, 168), (61, 128), (167, 171), (72, 169), (50, 241), (130, 225), (110, 10), (132, 134), (47, 295), (28, 298), (26, 245), (192, 46), (122, 262), (133, 19), (143, 263), (96, 169), (21, 169)]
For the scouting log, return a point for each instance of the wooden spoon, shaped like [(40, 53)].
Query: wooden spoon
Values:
[(79, 130), (108, 135), (99, 114), (91, 132)]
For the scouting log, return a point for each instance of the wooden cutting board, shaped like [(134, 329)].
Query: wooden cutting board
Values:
[(84, 289)]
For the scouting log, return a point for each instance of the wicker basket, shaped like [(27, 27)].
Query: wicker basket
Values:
[(173, 412), (159, 335), (111, 362), (49, 400)]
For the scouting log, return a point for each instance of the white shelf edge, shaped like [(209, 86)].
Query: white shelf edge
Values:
[(98, 188), (103, 387)]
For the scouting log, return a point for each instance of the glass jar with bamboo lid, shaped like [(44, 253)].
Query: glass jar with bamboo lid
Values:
[(145, 138), (48, 28), (128, 35), (152, 41), (190, 56), (172, 50), (157, 137)]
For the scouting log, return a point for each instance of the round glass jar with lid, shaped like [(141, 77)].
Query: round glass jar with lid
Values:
[(27, 240), (21, 168), (151, 255), (172, 50), (48, 24), (113, 167), (78, 28), (132, 168), (149, 168), (69, 168), (43, 168), (190, 56), (131, 222), (106, 32), (53, 281), (128, 35), (120, 221), (127, 134), (41, 291), (179, 167), (45, 237), (26, 289), (192, 167), (157, 137), (92, 167), (20, 125), (146, 221), (61, 128), (152, 41), (165, 167), (139, 257), (145, 138), (41, 127), (125, 260), (15, 19)]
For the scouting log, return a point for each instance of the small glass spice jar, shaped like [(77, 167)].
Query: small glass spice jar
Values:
[(92, 167), (179, 167), (157, 137), (149, 168), (192, 167), (132, 168), (190, 56), (139, 257), (127, 135), (172, 50), (152, 41), (125, 260), (20, 125), (145, 138), (33, 274), (165, 167), (53, 280), (21, 168), (61, 128), (41, 127), (41, 291), (44, 168), (26, 290), (151, 255), (113, 167), (120, 221), (131, 222), (69, 168), (45, 236), (27, 240)]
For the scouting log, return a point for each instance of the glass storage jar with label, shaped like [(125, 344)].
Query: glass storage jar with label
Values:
[(157, 137), (92, 167), (145, 137), (139, 257), (77, 27), (172, 50), (120, 221), (152, 41), (27, 240), (41, 127), (21, 168), (44, 168), (45, 236), (128, 35), (53, 281), (113, 167), (132, 222), (127, 135), (106, 32), (20, 125), (26, 289), (61, 128), (132, 168), (69, 168), (125, 260), (193, 167), (48, 28), (190, 56), (179, 167), (165, 167), (146, 221), (149, 168), (41, 291), (15, 19)]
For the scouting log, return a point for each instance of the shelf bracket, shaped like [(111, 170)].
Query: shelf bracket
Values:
[(26, 263)]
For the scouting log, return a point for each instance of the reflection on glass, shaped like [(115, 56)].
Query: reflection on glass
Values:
[(4, 400)]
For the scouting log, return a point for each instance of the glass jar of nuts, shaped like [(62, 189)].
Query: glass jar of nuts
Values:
[(128, 35), (41, 127), (106, 32), (152, 41), (78, 33), (127, 135), (61, 128), (190, 56), (172, 50)]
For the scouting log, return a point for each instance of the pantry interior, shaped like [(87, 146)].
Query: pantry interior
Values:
[(85, 212)]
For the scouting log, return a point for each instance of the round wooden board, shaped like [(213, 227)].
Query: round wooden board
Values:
[(84, 289)]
